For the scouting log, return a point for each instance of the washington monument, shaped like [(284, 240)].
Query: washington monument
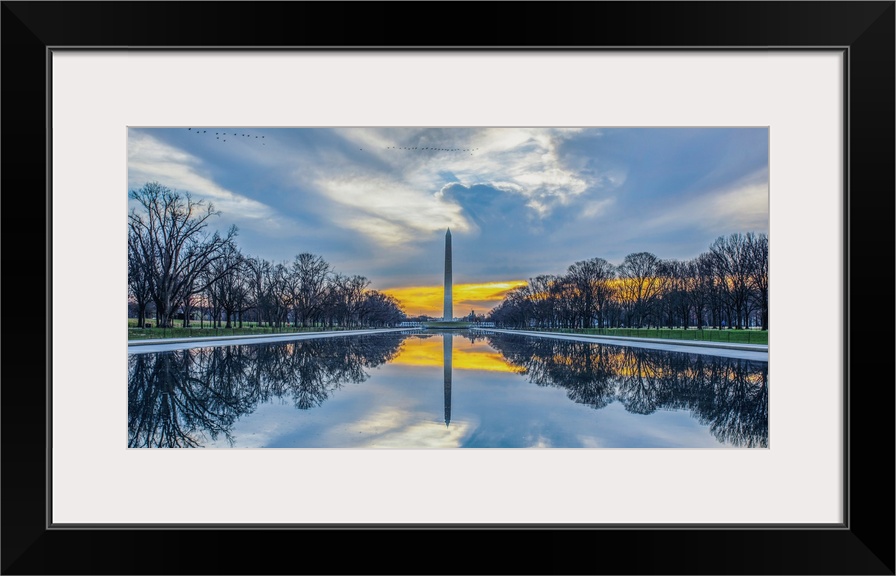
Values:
[(449, 310)]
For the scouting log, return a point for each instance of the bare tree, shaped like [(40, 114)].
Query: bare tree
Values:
[(171, 237), (139, 278), (642, 282), (379, 310), (515, 310), (309, 277), (703, 291), (346, 298), (543, 296), (231, 288), (759, 273), (727, 283), (676, 301), (264, 279), (592, 280), (732, 256)]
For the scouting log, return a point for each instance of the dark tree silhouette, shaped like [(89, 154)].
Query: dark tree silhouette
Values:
[(728, 395), (171, 237), (187, 397)]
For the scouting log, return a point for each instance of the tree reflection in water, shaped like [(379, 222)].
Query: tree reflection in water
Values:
[(729, 395), (189, 397), (182, 398)]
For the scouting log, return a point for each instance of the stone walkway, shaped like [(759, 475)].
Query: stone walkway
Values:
[(729, 350), (757, 352), (167, 344)]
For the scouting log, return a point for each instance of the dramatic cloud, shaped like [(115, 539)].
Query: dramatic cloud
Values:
[(152, 160), (519, 201)]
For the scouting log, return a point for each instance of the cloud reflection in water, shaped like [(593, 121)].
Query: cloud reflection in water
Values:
[(394, 391)]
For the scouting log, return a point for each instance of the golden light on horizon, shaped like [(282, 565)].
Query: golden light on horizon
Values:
[(464, 355), (428, 300)]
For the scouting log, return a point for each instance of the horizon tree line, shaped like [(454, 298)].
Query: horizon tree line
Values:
[(726, 286), (183, 398), (178, 266), (730, 395)]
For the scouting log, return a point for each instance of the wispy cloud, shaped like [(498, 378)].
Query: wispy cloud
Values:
[(520, 201), (387, 211), (398, 177), (150, 159), (739, 207)]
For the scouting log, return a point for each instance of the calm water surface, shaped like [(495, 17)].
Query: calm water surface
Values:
[(444, 390)]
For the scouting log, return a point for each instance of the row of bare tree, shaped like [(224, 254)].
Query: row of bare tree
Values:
[(184, 397), (178, 266), (725, 286), (730, 395)]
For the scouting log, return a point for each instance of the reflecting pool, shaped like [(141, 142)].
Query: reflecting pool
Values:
[(458, 389)]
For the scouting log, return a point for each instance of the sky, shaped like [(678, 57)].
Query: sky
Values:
[(519, 201)]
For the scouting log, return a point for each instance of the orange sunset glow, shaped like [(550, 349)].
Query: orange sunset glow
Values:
[(464, 355), (480, 297)]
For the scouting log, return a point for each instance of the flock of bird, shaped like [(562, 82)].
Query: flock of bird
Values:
[(222, 136), (431, 149)]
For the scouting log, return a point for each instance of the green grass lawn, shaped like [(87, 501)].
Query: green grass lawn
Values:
[(735, 336), (250, 328)]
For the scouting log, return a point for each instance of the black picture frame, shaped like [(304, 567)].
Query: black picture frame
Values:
[(864, 544)]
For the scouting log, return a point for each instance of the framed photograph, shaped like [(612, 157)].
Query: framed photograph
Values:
[(424, 288), (100, 99)]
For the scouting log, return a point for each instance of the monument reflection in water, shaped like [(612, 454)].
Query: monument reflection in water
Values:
[(442, 390)]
